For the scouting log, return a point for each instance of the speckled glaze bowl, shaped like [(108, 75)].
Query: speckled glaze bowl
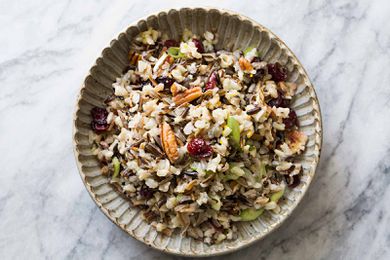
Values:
[(235, 32)]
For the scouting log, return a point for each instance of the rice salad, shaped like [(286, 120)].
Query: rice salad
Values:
[(199, 138)]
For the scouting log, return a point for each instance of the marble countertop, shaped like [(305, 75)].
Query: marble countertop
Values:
[(47, 48)]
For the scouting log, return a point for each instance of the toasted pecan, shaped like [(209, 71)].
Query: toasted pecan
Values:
[(169, 143), (187, 96), (245, 65)]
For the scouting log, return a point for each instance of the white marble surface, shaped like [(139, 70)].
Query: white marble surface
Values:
[(46, 47)]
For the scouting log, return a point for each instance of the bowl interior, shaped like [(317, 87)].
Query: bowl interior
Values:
[(234, 32)]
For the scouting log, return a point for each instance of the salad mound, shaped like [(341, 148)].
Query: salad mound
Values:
[(199, 138)]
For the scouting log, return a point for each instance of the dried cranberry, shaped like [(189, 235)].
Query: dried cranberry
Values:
[(277, 71), (212, 81), (285, 103), (99, 115), (171, 43), (291, 120), (99, 119), (198, 147), (99, 127), (166, 81), (198, 45), (146, 192)]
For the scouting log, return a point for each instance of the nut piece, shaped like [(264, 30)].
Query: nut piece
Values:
[(245, 65), (296, 141), (176, 88), (169, 143), (288, 88), (187, 96)]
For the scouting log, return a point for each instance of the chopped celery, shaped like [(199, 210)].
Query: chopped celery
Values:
[(234, 135), (277, 195), (175, 52), (117, 166), (226, 131), (215, 203), (179, 197), (250, 214), (237, 171), (262, 170), (248, 175), (249, 49), (234, 171), (259, 169), (251, 179)]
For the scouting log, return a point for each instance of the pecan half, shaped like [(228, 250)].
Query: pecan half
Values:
[(176, 88), (169, 143), (187, 96), (245, 65)]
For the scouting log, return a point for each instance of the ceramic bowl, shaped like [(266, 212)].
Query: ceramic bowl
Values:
[(235, 32)]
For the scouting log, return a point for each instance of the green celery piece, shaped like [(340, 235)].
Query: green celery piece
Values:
[(179, 197), (277, 195), (175, 52), (234, 172), (259, 169), (262, 170), (215, 203), (234, 136), (249, 49), (251, 214), (117, 166)]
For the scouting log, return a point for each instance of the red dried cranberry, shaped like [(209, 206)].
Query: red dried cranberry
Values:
[(285, 103), (291, 120), (277, 71), (97, 127), (171, 43), (99, 119), (99, 115), (146, 192), (198, 45), (212, 81), (198, 147), (166, 81)]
